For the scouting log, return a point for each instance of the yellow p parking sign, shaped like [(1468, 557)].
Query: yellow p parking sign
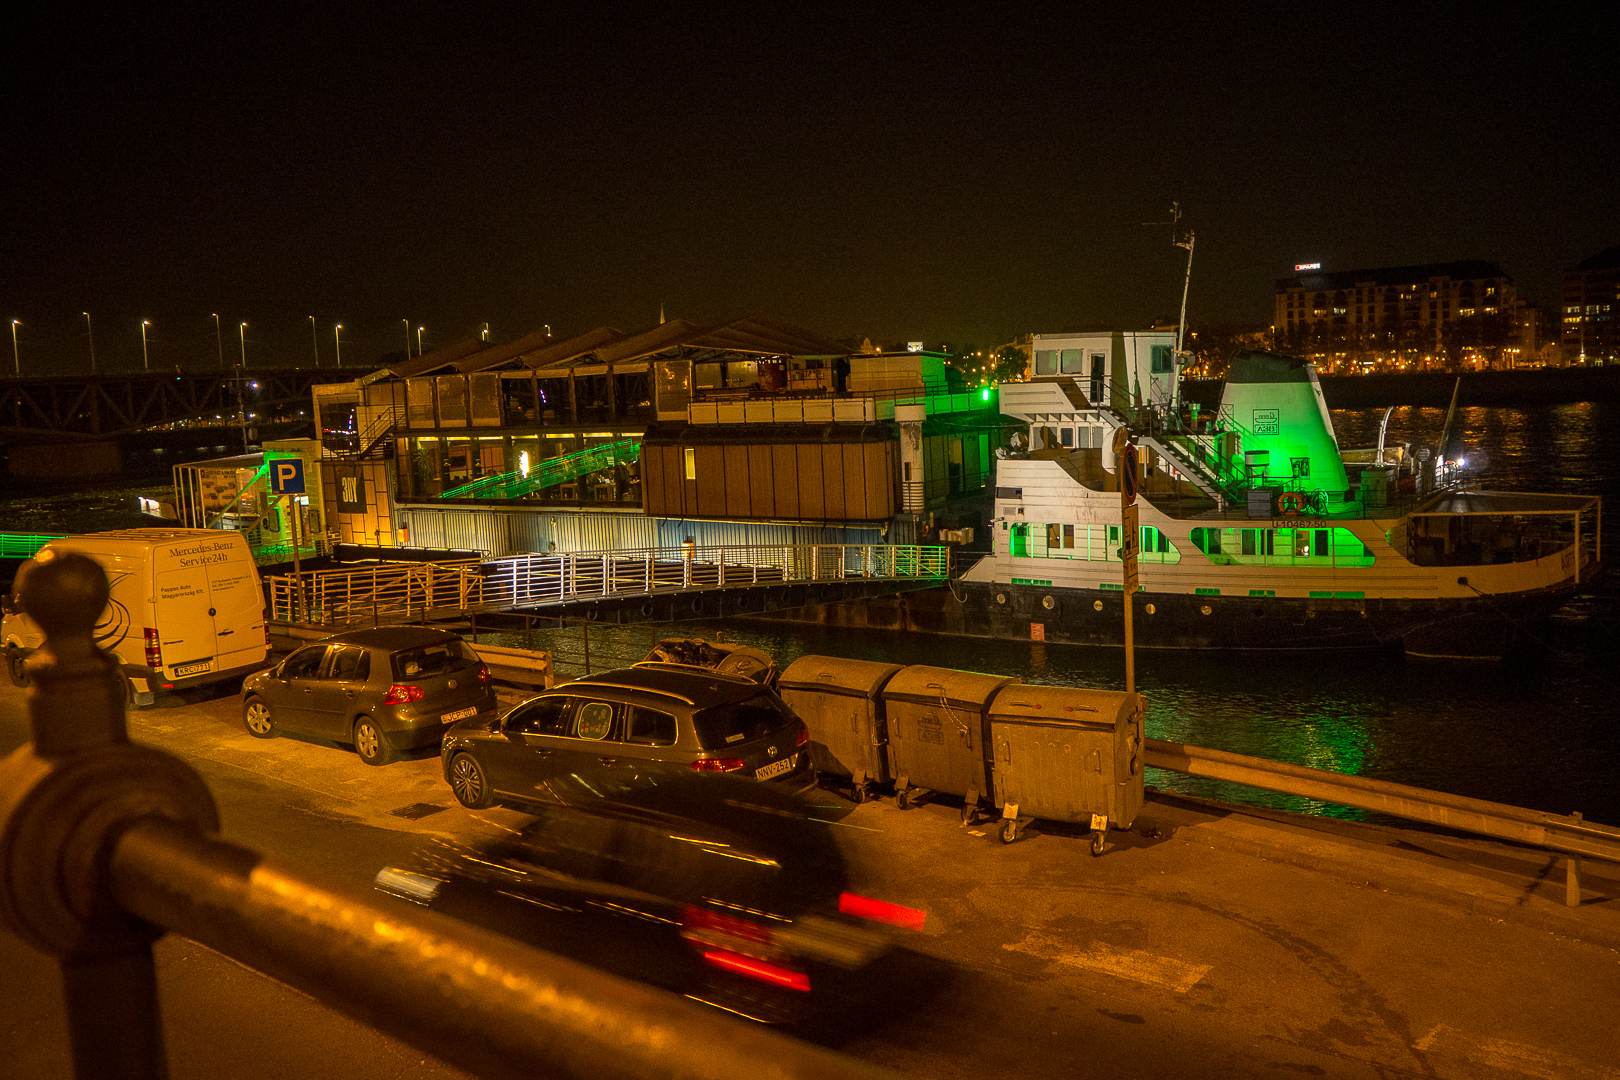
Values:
[(287, 476)]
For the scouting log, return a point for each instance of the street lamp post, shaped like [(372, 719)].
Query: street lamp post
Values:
[(242, 333), (337, 343), (16, 357), (315, 340), (419, 330), (407, 323), (146, 360), (91, 331), (219, 339)]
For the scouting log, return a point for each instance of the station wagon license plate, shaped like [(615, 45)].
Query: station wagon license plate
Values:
[(192, 669), (459, 714), (776, 768)]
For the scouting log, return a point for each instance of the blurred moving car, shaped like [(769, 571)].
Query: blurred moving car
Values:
[(384, 690), (718, 888), (643, 722)]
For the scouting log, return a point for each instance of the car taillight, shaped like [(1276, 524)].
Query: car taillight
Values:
[(739, 946), (483, 674), (802, 737), (753, 968), (881, 911), (399, 694), (154, 651), (718, 764)]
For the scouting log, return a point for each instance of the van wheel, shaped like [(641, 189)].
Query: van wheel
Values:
[(371, 744), (260, 724), (468, 783), (15, 666)]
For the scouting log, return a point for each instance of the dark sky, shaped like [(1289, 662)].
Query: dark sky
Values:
[(936, 173)]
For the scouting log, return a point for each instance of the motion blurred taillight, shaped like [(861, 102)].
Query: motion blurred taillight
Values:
[(400, 694), (718, 764), (483, 674), (154, 651), (881, 911), (757, 969), (802, 737)]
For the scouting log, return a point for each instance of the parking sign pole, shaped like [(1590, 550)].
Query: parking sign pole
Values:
[(1129, 532)]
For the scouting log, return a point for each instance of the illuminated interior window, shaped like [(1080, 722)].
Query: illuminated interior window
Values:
[(690, 453)]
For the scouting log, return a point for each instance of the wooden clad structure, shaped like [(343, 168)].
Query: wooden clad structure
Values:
[(800, 473)]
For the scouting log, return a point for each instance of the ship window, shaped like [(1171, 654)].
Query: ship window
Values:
[(1074, 362), (1162, 360), (1066, 436), (1046, 362)]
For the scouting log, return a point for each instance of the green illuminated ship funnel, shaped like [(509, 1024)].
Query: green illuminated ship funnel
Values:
[(1277, 402)]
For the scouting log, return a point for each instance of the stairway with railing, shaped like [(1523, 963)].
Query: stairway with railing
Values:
[(548, 473)]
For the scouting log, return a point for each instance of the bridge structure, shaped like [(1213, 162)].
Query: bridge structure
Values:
[(69, 407), (644, 585)]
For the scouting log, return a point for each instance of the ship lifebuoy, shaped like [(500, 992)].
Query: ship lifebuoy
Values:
[(1290, 503)]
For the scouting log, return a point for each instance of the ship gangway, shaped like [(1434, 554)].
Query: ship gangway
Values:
[(619, 585)]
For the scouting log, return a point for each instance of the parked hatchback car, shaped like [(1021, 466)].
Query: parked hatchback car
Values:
[(638, 723), (384, 690), (718, 888)]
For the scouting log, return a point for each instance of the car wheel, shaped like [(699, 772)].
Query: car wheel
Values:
[(15, 666), (370, 743), (256, 715), (468, 783)]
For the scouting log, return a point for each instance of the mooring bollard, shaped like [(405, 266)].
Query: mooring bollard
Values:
[(64, 801)]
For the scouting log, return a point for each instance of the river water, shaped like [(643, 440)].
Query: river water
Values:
[(1542, 734)]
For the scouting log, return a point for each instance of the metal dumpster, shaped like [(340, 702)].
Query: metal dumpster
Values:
[(839, 702), (1067, 754), (938, 733)]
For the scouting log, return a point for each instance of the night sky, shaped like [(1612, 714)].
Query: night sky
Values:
[(950, 174)]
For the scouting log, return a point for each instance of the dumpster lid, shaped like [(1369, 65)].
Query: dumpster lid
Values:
[(924, 684), (1062, 704), (836, 675)]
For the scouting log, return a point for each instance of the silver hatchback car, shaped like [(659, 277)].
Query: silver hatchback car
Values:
[(384, 690)]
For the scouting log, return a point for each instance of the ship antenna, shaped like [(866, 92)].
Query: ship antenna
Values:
[(1176, 239)]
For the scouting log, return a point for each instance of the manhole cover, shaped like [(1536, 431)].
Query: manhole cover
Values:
[(417, 811)]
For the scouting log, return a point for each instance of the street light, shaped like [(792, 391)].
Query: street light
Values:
[(242, 333), (146, 361), (337, 344), (219, 339), (419, 330), (407, 323), (315, 340), (92, 332), (16, 357)]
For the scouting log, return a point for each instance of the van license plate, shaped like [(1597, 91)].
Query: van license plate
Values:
[(192, 669), (775, 768), (459, 714)]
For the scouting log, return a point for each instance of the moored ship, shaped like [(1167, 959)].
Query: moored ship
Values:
[(1256, 531)]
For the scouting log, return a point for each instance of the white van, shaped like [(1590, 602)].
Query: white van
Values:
[(186, 608)]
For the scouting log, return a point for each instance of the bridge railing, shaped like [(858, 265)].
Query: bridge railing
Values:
[(524, 580), (376, 594), (105, 846)]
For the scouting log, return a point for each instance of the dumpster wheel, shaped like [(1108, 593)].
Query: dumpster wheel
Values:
[(1009, 831), (1096, 843)]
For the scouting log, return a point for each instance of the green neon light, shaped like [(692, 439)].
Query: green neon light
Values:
[(1206, 592)]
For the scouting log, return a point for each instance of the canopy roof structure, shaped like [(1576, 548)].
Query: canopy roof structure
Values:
[(679, 338)]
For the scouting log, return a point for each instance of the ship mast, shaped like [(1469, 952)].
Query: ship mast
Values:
[(1186, 284)]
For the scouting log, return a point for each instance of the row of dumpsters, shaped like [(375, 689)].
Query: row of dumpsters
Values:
[(1055, 753)]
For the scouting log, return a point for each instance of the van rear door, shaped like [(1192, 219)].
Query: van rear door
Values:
[(210, 617)]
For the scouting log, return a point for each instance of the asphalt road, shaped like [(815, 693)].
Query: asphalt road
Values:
[(1208, 941)]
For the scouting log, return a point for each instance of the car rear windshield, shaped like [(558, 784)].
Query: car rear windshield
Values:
[(728, 725), (432, 659)]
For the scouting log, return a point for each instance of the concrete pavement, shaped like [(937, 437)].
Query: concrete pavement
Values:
[(1208, 941)]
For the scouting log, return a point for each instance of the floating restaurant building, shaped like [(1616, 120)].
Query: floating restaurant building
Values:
[(746, 432)]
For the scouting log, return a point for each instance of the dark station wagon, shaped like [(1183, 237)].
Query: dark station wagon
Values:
[(386, 689), (638, 723)]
